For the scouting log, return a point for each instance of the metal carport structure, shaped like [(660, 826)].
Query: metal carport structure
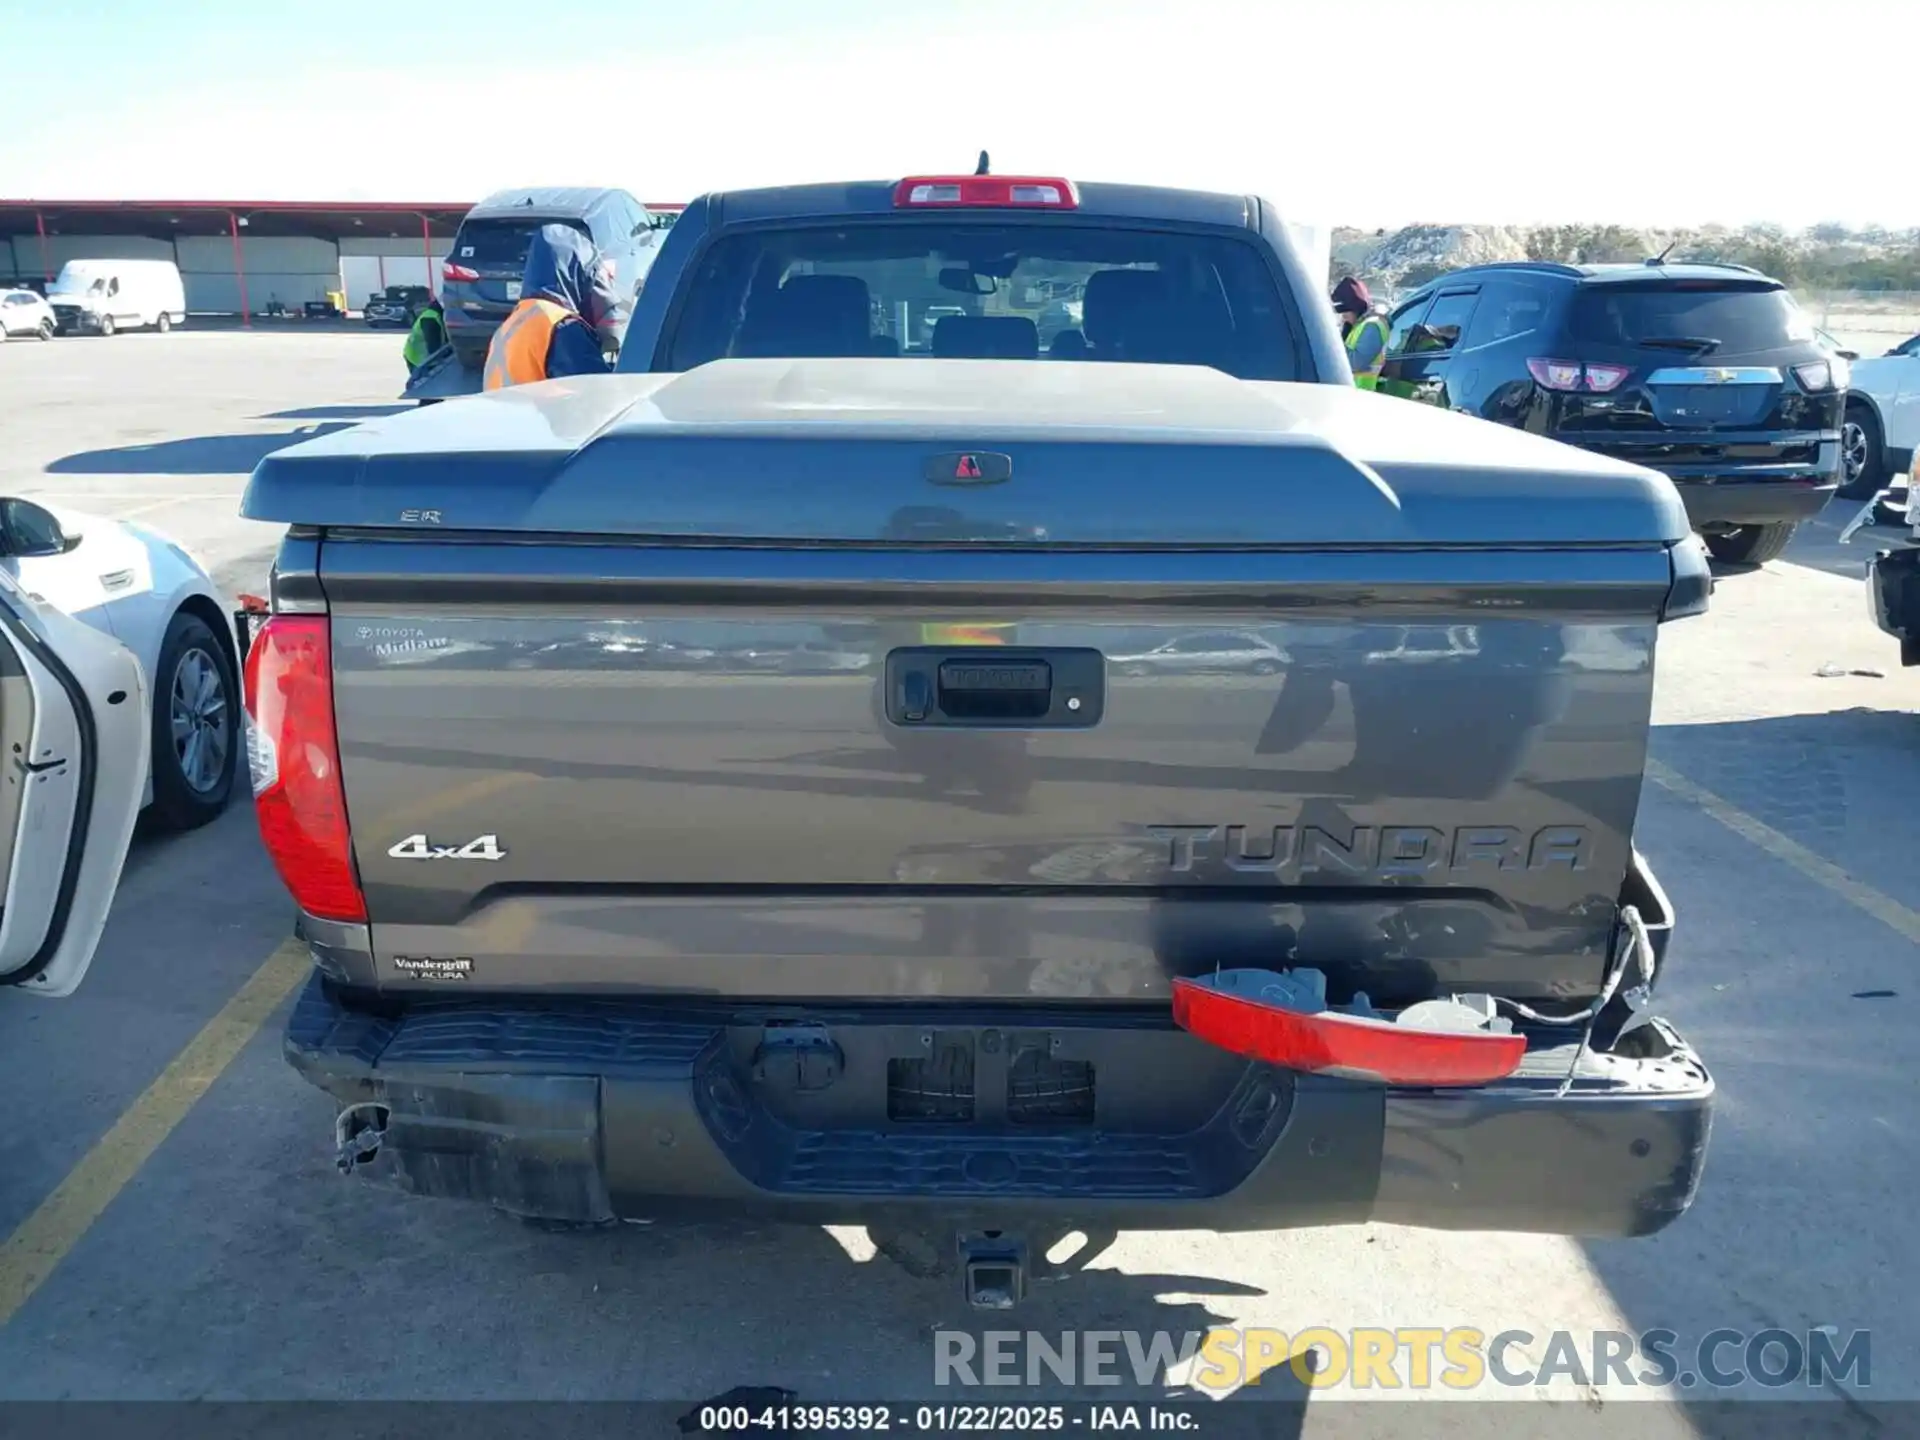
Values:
[(36, 237)]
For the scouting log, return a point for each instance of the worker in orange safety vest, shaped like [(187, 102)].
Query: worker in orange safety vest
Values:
[(559, 326)]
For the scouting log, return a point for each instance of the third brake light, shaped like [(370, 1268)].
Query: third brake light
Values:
[(993, 191)]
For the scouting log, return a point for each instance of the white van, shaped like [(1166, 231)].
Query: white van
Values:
[(98, 297)]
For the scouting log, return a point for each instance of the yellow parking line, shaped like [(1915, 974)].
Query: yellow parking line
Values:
[(47, 1236), (1858, 893)]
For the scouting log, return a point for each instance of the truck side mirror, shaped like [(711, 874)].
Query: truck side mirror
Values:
[(29, 532)]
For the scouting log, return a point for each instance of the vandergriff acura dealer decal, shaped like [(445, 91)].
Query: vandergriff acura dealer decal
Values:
[(434, 967)]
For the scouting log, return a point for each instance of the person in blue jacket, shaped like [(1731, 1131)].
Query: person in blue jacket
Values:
[(566, 299)]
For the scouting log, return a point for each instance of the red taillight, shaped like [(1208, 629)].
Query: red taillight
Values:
[(1358, 1048), (451, 271), (294, 757), (1818, 375), (1022, 191), (1555, 374), (1572, 375)]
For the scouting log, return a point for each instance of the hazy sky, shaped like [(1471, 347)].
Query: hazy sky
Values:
[(1372, 112)]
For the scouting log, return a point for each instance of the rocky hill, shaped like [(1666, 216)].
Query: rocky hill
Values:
[(1824, 257)]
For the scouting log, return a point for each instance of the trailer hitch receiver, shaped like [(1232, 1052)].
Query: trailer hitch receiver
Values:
[(993, 1270), (358, 1131)]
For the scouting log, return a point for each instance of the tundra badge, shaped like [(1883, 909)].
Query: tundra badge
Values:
[(418, 847)]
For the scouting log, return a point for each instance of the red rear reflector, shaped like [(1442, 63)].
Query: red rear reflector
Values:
[(1326, 1042), (451, 271), (1019, 191), (293, 755)]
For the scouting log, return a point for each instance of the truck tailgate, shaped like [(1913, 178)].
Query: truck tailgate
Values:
[(685, 760), (673, 683)]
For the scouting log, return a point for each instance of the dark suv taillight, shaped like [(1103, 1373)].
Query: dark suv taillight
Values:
[(451, 271), (293, 755), (1573, 375), (1820, 376)]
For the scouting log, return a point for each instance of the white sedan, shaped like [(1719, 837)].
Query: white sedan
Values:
[(74, 724), (1882, 427), (25, 316), (136, 585)]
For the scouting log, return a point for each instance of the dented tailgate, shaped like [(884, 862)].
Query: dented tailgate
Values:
[(753, 692)]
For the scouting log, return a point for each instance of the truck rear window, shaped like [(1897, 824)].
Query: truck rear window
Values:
[(1739, 319), (502, 244), (1050, 291)]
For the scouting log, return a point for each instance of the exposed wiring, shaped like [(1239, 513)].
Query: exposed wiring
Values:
[(1635, 945)]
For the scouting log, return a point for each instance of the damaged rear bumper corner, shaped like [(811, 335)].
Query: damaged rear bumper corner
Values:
[(1893, 595), (1620, 1154)]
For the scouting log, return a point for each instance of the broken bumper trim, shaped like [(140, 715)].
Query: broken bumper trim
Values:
[(601, 1110), (1893, 597)]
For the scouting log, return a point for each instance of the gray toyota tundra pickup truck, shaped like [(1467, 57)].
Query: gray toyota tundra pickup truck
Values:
[(706, 788)]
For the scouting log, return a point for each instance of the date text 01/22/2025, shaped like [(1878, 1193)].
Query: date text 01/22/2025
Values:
[(946, 1419)]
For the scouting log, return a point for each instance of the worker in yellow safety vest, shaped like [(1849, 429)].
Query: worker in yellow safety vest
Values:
[(1365, 333), (428, 335), (566, 301)]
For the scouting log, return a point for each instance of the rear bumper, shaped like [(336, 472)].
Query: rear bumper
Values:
[(592, 1111), (470, 332), (1753, 500), (1719, 489)]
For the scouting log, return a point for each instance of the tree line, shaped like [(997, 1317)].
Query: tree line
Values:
[(1836, 258)]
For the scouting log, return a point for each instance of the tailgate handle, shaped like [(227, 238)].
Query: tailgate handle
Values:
[(997, 689), (1027, 689)]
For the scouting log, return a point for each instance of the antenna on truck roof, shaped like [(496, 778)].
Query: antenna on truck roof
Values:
[(981, 169)]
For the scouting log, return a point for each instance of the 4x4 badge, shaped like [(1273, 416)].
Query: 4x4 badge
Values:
[(418, 847)]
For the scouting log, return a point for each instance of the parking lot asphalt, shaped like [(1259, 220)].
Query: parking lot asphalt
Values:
[(177, 1228)]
